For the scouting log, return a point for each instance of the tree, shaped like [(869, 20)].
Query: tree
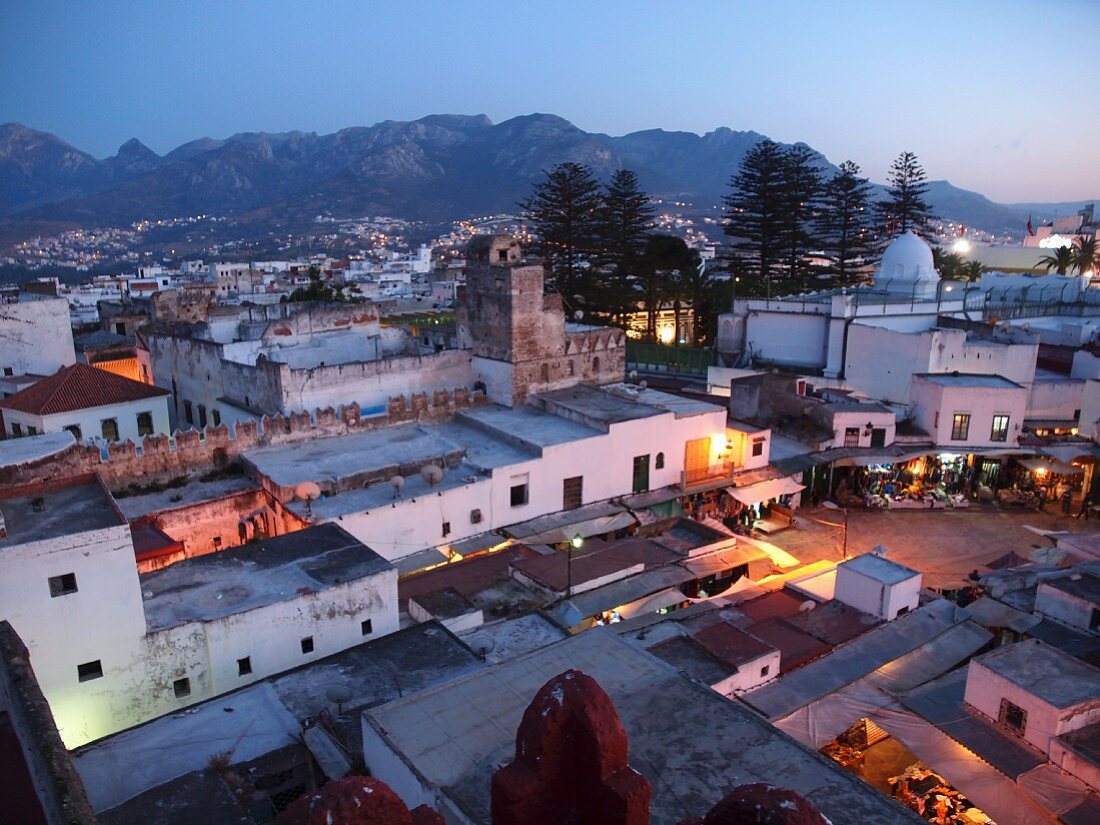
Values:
[(844, 222), (319, 290), (755, 207), (971, 271), (1060, 261), (660, 273), (1084, 255), (949, 264), (905, 207), (801, 190), (564, 209), (624, 222)]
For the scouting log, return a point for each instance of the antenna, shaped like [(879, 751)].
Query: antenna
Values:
[(308, 491), (432, 474), (398, 483), (481, 645)]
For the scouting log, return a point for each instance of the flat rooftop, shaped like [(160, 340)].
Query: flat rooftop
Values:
[(603, 406), (1046, 672), (17, 451), (690, 742), (596, 559), (950, 379), (64, 511), (879, 568), (1083, 585), (255, 574), (193, 492), (529, 424)]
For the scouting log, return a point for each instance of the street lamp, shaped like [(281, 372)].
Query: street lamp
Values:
[(574, 544), (828, 505)]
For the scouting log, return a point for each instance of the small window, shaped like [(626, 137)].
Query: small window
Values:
[(1013, 717), (572, 492), (659, 462), (519, 494), (640, 479), (217, 542), (544, 373), (32, 430), (120, 329), (145, 423), (851, 436), (572, 368), (764, 670), (75, 430), (307, 644), (182, 687), (502, 255), (1000, 428), (16, 429), (365, 627), (446, 529), (758, 447), (9, 371), (936, 419), (216, 417), (244, 666), (38, 505), (960, 427), (89, 670), (202, 415), (62, 585), (189, 413), (596, 364), (109, 427)]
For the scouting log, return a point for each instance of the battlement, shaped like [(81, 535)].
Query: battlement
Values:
[(162, 458)]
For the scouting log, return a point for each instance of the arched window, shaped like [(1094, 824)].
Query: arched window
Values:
[(659, 464)]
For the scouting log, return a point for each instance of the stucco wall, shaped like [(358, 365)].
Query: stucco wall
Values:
[(981, 403), (36, 336), (90, 421), (1063, 607)]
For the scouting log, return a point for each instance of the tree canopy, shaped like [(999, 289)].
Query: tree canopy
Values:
[(905, 207), (844, 221)]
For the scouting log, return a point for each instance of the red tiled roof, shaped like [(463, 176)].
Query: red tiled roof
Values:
[(76, 388)]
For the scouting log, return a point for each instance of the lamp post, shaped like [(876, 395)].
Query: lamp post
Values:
[(828, 505), (574, 544)]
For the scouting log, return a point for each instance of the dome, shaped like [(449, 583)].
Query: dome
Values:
[(907, 267)]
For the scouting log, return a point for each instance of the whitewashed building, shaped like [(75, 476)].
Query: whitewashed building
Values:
[(36, 337), (964, 411), (877, 585)]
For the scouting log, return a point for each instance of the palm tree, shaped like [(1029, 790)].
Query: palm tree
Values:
[(1084, 255), (970, 271), (948, 264), (1060, 261)]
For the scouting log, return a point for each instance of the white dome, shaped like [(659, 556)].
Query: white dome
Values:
[(906, 265)]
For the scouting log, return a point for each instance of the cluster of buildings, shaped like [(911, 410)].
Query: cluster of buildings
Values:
[(249, 548)]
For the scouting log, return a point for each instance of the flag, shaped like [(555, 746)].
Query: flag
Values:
[(1030, 228), (962, 230)]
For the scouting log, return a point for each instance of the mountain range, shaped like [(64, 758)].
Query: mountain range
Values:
[(440, 167)]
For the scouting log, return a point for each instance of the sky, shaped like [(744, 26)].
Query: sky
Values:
[(996, 96)]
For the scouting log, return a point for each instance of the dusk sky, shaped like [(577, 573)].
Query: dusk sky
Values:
[(994, 96)]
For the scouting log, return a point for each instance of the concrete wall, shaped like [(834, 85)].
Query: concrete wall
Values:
[(90, 420), (842, 421), (788, 338), (1068, 760), (35, 336), (872, 596), (936, 406), (198, 525), (1058, 399), (748, 675), (1064, 607)]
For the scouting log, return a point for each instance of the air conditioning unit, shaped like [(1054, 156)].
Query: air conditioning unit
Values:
[(475, 516)]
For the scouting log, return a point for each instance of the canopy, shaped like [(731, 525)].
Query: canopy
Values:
[(765, 490), (651, 604), (1056, 467), (587, 528), (736, 554)]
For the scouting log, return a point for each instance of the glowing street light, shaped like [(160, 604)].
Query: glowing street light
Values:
[(575, 543)]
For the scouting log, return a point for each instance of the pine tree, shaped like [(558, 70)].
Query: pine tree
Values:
[(565, 209), (801, 192), (905, 207), (624, 224), (844, 222), (755, 210)]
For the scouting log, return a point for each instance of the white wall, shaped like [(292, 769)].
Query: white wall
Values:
[(36, 336), (872, 596), (788, 338), (748, 675), (1058, 399), (981, 403), (858, 420), (1063, 607), (90, 420)]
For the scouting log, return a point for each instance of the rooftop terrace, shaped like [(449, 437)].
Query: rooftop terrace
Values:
[(63, 511)]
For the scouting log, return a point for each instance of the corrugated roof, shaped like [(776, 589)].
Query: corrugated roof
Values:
[(79, 387)]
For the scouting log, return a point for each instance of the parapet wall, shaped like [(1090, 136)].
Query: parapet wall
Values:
[(191, 452)]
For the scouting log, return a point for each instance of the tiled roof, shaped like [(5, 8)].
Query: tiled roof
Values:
[(76, 388)]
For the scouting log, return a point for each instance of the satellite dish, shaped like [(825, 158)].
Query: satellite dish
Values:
[(633, 374), (307, 491), (643, 384), (338, 694), (481, 645), (578, 315), (807, 606), (432, 474), (880, 550), (398, 483)]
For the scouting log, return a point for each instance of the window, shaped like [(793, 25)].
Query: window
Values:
[(89, 670), (120, 328), (502, 255), (1000, 428), (596, 364), (109, 427), (189, 413), (217, 542), (851, 436), (145, 423), (519, 494), (182, 687), (216, 417), (1013, 717), (75, 430), (544, 373), (764, 670), (202, 415), (9, 371), (758, 446), (244, 666), (62, 585), (16, 429), (365, 627), (32, 430), (936, 419), (38, 505), (659, 462), (641, 474), (572, 368), (446, 529), (572, 492), (960, 427), (307, 644)]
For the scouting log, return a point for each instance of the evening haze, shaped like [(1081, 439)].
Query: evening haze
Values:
[(986, 93)]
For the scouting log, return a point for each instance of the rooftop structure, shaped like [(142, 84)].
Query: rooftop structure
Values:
[(79, 387), (60, 511), (880, 568), (1044, 672), (970, 380)]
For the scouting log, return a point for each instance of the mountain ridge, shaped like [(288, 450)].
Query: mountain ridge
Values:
[(439, 167)]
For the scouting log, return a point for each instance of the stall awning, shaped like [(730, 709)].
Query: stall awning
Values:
[(765, 490), (1056, 467), (590, 527), (735, 555), (651, 604), (571, 612)]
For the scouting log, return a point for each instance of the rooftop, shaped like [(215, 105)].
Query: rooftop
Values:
[(194, 491), (691, 742), (1080, 585), (596, 559), (62, 511), (253, 575), (960, 379), (687, 655), (732, 646), (102, 339), (879, 568), (1045, 672), (16, 451), (79, 387)]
